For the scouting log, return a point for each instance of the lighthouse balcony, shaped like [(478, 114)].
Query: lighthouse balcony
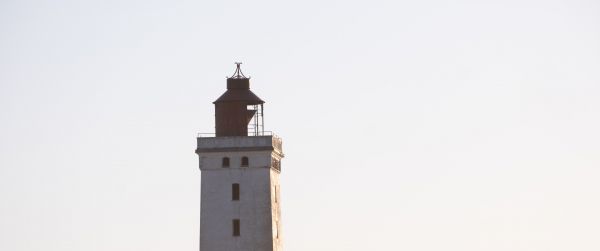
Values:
[(268, 141)]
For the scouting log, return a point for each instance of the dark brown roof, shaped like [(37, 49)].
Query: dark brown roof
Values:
[(240, 95), (238, 89)]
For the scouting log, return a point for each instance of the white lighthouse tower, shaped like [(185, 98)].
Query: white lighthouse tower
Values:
[(240, 166)]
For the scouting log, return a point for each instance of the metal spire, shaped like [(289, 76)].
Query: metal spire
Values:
[(238, 71)]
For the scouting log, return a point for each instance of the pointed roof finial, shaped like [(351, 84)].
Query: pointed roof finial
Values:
[(238, 71)]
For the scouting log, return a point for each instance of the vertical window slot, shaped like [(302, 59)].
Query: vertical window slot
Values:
[(236, 227), (235, 191)]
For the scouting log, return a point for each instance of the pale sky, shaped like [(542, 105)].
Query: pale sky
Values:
[(407, 125)]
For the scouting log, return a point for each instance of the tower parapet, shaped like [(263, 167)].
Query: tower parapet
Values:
[(237, 144)]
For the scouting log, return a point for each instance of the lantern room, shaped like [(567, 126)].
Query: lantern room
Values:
[(238, 112)]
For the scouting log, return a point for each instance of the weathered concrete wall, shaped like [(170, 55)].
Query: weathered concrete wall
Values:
[(232, 144), (257, 208), (276, 210)]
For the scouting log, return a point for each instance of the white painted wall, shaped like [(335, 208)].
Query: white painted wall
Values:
[(257, 209)]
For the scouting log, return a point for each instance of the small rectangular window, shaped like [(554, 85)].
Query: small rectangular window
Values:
[(225, 162), (235, 191), (236, 227)]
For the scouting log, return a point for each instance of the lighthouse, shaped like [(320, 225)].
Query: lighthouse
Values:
[(240, 165)]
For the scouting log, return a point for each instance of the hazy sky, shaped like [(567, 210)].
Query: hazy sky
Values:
[(407, 125)]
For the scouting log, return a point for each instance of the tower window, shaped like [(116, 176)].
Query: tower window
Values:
[(236, 227), (225, 162), (277, 229), (244, 161), (235, 191), (276, 164)]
